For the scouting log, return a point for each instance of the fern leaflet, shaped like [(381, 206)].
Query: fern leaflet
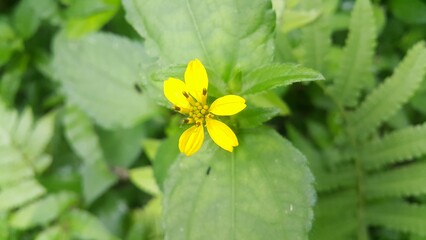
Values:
[(395, 147), (357, 55), (399, 216), (388, 98)]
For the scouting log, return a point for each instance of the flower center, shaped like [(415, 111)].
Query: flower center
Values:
[(198, 111)]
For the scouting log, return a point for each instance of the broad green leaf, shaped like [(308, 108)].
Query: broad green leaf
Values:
[(222, 34), (19, 194), (409, 11), (143, 178), (108, 68), (121, 147), (42, 211), (146, 224), (355, 67), (83, 225), (88, 16), (97, 177), (25, 19), (261, 191), (40, 135), (166, 155), (383, 102), (276, 75), (112, 210), (150, 147), (9, 41)]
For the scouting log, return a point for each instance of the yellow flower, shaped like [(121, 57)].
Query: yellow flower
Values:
[(190, 98)]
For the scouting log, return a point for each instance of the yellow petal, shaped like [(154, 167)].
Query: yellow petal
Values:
[(221, 134), (191, 140), (173, 89), (228, 105), (196, 79)]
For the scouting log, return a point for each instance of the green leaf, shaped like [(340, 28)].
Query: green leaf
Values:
[(316, 41), (294, 19), (253, 116), (409, 11), (9, 42), (222, 34), (165, 157), (146, 222), (53, 233), (355, 67), (88, 16), (143, 178), (398, 146), (42, 211), (97, 177), (388, 98), (121, 147), (108, 68), (269, 99), (83, 225), (25, 19), (276, 75), (261, 191), (399, 182), (20, 194), (400, 216)]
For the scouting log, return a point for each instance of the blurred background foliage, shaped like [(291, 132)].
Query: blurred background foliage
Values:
[(75, 164)]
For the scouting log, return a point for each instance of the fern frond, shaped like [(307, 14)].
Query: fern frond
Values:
[(399, 216), (330, 180), (398, 146), (388, 98), (316, 39), (402, 181), (330, 224), (19, 194), (358, 54)]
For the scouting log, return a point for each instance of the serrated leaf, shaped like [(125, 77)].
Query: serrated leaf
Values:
[(276, 75), (40, 135), (261, 191), (42, 211), (398, 146), (400, 216), (20, 193), (388, 98), (355, 67), (399, 182), (108, 68), (143, 178), (213, 31), (97, 177), (83, 225)]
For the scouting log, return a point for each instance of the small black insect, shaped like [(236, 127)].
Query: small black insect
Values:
[(137, 88), (208, 170)]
